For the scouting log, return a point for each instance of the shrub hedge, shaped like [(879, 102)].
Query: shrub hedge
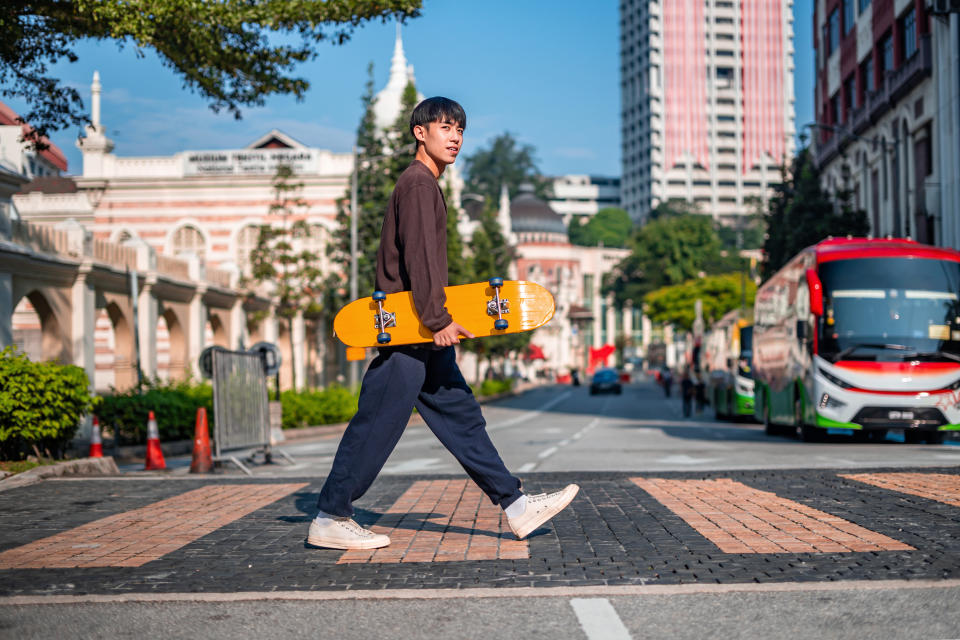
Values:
[(41, 404), (174, 405), (309, 408), (493, 387)]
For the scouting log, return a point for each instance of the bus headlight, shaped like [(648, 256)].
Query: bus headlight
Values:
[(835, 380), (826, 402)]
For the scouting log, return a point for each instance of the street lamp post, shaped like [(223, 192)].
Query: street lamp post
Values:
[(354, 366)]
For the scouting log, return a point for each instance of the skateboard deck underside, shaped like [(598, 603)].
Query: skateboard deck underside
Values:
[(530, 306)]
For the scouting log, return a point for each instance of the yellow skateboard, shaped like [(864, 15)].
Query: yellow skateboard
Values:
[(492, 308)]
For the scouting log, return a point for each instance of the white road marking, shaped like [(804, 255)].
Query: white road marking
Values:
[(530, 414), (685, 459), (599, 619), (546, 453), (413, 465)]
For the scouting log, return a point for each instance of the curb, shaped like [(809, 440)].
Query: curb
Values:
[(105, 466)]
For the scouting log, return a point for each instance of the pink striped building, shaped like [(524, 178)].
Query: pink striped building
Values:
[(707, 105)]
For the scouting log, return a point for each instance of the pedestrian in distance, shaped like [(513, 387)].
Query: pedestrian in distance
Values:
[(700, 393), (686, 392), (666, 379), (413, 257)]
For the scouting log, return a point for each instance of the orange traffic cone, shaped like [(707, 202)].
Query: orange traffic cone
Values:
[(96, 443), (202, 459), (155, 461)]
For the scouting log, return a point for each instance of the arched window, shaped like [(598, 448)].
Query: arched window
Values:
[(188, 239), (246, 243)]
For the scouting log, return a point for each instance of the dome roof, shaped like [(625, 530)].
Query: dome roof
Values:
[(528, 213)]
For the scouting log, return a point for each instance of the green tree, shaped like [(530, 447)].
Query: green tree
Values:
[(459, 264), (234, 53), (667, 251), (374, 184), (505, 162), (675, 208), (801, 213), (719, 294), (611, 226), (280, 261)]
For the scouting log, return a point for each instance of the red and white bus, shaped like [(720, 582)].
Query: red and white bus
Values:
[(860, 335)]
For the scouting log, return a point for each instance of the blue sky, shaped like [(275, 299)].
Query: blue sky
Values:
[(546, 70)]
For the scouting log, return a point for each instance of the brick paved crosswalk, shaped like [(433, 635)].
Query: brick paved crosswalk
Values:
[(719, 525), (134, 538), (740, 519), (932, 486), (442, 521)]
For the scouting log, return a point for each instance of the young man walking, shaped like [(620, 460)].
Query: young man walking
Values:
[(413, 257)]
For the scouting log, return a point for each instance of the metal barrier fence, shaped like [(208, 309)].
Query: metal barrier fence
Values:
[(240, 407)]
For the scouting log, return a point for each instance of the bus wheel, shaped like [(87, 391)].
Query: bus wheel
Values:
[(806, 432), (718, 414), (934, 437), (768, 427)]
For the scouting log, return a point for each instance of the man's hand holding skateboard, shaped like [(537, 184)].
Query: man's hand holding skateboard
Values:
[(450, 334)]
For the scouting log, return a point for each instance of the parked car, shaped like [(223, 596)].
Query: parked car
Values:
[(605, 381)]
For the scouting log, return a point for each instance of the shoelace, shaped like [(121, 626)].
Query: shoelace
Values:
[(354, 528), (542, 497)]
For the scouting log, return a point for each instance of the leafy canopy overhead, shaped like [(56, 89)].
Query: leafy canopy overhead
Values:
[(234, 53)]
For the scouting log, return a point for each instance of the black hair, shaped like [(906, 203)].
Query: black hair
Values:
[(438, 109)]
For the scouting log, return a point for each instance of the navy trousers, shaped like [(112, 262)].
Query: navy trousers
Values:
[(398, 379)]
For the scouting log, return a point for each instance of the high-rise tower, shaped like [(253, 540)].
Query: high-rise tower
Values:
[(707, 104)]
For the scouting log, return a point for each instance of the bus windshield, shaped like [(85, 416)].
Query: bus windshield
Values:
[(890, 309)]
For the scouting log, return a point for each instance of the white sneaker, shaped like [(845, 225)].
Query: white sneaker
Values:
[(344, 533), (541, 508)]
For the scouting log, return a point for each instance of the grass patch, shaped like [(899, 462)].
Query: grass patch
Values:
[(19, 466)]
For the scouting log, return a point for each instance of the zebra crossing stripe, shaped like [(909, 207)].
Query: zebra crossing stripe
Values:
[(740, 519), (932, 486)]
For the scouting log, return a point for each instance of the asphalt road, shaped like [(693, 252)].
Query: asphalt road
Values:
[(848, 614), (564, 428)]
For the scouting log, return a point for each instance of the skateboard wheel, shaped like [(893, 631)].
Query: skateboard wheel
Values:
[(378, 296), (496, 282), (500, 324), (383, 337)]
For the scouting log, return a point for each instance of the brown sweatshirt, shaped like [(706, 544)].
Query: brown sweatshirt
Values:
[(413, 245)]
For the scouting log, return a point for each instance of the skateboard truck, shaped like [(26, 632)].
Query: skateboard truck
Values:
[(497, 306), (383, 319)]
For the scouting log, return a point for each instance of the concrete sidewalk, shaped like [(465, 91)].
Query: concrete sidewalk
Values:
[(230, 535)]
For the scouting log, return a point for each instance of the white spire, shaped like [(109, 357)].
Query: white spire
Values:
[(95, 90), (503, 212), (95, 144), (398, 65), (389, 100)]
